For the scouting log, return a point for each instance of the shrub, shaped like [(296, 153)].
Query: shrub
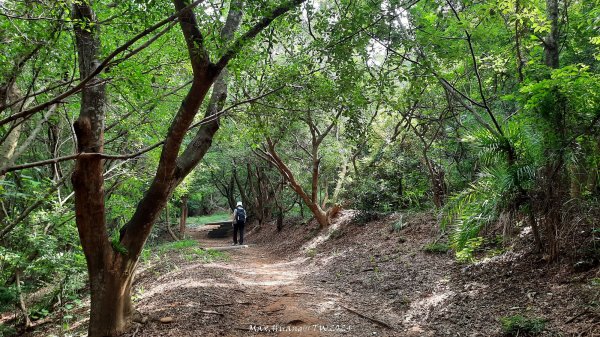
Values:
[(336, 233), (519, 325)]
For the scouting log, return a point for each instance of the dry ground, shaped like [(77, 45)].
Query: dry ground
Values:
[(368, 280)]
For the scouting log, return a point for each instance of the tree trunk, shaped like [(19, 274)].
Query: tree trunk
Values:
[(340, 182), (9, 145), (320, 215), (107, 317), (279, 220), (168, 223), (553, 187), (110, 289), (520, 61), (248, 203), (315, 174), (22, 304), (111, 268), (231, 192), (551, 49), (184, 215)]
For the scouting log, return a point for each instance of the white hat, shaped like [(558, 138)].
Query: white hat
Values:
[(239, 203)]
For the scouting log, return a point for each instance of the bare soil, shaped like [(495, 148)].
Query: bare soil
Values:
[(359, 280)]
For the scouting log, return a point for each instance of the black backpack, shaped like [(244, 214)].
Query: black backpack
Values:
[(240, 215)]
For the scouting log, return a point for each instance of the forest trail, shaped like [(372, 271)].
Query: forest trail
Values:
[(253, 290)]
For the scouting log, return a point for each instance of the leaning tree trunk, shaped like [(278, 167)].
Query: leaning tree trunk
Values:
[(322, 217)]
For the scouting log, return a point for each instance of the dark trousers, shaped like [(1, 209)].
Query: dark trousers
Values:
[(238, 227)]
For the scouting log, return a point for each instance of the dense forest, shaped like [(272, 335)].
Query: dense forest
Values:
[(123, 121)]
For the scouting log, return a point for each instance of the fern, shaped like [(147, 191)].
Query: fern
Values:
[(495, 189)]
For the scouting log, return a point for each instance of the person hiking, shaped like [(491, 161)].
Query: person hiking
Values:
[(239, 222)]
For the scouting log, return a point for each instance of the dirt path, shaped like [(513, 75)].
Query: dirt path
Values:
[(253, 293)]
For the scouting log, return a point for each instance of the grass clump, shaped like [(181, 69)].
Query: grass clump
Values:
[(436, 248), (176, 245), (518, 325), (311, 252), (336, 233)]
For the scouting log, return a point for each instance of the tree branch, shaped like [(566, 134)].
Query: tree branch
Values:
[(98, 69), (237, 45)]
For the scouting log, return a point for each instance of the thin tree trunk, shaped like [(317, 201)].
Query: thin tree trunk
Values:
[(184, 215), (168, 223), (22, 304), (340, 182), (315, 173), (243, 193), (520, 61), (551, 48)]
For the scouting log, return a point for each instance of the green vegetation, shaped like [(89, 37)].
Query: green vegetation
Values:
[(196, 221), (436, 248), (518, 325), (187, 248), (7, 331), (312, 252)]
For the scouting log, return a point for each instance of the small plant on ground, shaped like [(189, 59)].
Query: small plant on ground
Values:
[(336, 233), (519, 325), (466, 253), (311, 252), (436, 248), (399, 225), (363, 217)]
